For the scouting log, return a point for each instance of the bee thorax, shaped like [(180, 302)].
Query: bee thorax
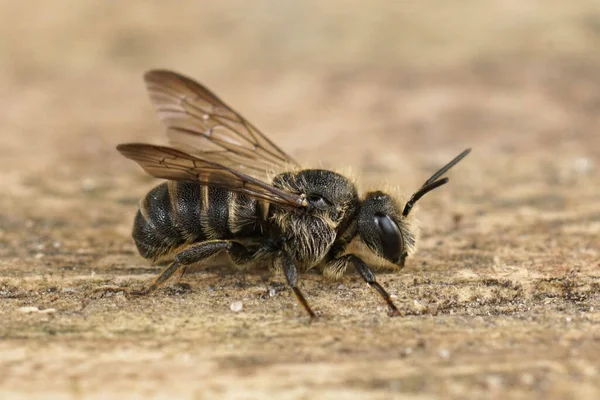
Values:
[(307, 238)]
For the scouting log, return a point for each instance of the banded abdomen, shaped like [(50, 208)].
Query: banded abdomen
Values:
[(176, 213)]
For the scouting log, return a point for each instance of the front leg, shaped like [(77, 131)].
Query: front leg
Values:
[(337, 266), (402, 260), (239, 254), (291, 275)]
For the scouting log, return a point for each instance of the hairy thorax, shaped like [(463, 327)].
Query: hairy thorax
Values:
[(308, 234), (307, 237)]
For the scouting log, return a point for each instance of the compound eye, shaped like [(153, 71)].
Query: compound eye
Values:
[(391, 239), (319, 202)]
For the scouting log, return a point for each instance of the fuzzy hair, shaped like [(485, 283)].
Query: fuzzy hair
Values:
[(409, 228), (314, 235)]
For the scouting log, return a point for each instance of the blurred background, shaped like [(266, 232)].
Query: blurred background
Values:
[(412, 77), (394, 89)]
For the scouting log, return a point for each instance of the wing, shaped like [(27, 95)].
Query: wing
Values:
[(168, 163), (201, 124)]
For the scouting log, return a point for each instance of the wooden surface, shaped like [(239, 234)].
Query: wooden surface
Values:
[(502, 299)]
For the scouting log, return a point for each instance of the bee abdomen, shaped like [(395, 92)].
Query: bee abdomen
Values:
[(176, 213), (154, 229), (226, 215), (187, 202), (215, 213)]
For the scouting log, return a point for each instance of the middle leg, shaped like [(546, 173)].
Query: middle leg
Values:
[(291, 275)]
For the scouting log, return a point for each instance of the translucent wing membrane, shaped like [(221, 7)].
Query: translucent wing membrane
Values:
[(201, 124), (168, 163)]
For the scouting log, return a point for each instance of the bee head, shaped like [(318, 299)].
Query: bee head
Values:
[(383, 228)]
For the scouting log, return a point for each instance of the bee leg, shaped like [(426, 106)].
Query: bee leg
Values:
[(291, 275), (161, 279), (196, 253), (366, 273), (403, 260)]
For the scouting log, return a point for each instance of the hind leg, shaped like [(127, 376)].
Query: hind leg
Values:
[(239, 254)]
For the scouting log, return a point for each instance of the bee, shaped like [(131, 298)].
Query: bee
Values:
[(218, 197)]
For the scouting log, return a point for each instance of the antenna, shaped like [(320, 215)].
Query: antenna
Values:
[(433, 182)]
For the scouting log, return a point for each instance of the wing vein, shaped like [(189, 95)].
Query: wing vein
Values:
[(198, 121)]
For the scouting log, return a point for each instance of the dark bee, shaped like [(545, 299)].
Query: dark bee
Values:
[(217, 198)]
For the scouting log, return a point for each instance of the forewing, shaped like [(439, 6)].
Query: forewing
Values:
[(168, 163), (201, 124)]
